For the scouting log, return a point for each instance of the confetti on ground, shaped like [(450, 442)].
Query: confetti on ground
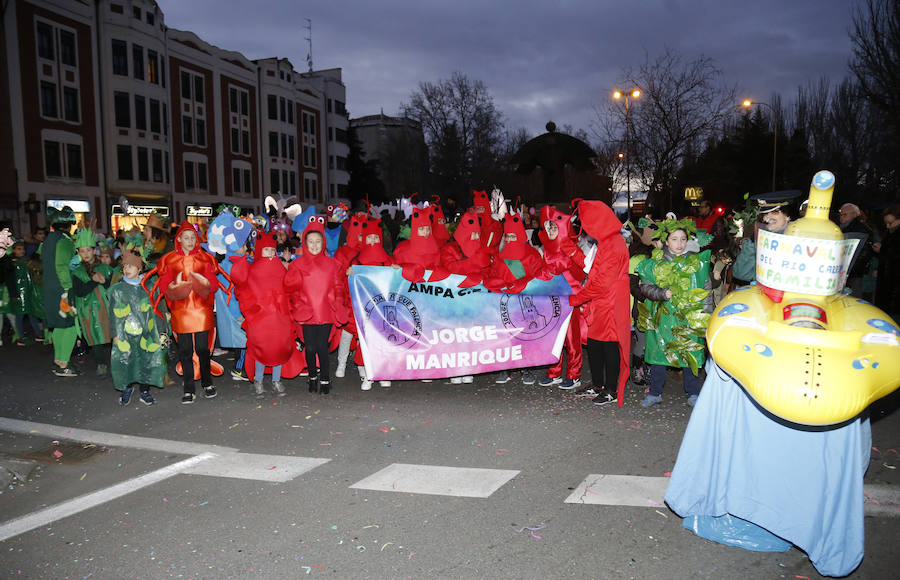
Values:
[(532, 530), (83, 475), (371, 526), (662, 514), (57, 454), (235, 425), (667, 474), (502, 451), (889, 466), (273, 467), (384, 430), (386, 545)]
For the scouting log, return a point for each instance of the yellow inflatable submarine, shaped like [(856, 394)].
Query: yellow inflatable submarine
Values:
[(816, 356)]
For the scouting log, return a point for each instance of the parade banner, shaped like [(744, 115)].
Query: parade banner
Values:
[(804, 265), (427, 330)]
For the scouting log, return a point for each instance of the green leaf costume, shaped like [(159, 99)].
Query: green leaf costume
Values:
[(91, 302), (138, 356), (675, 328)]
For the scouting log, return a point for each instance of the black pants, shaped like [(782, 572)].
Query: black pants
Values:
[(186, 345), (603, 356), (315, 341)]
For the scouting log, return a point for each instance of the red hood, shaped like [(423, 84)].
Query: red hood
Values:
[(186, 225), (354, 229), (480, 199), (563, 223), (469, 223), (316, 224), (598, 219), (439, 223), (420, 245), (513, 224), (263, 241)]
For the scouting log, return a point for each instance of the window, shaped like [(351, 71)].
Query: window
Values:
[(162, 71), (233, 100), (70, 104), (235, 179), (245, 103), (282, 108), (273, 181), (201, 177), (284, 181), (201, 133), (340, 135), (120, 57), (185, 85), (188, 175), (73, 161), (67, 48), (235, 140), (273, 145), (143, 165), (152, 64), (166, 165), (247, 188), (291, 147), (154, 116), (284, 151), (331, 162), (187, 130), (245, 142), (342, 163), (45, 41), (140, 113), (312, 124), (123, 109), (198, 88), (290, 112), (273, 107), (165, 120), (123, 155), (137, 57), (52, 159), (156, 156), (329, 106), (150, 18), (48, 100), (136, 12), (293, 183)]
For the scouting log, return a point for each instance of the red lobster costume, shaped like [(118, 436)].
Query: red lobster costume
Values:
[(420, 252), (563, 256), (519, 263), (491, 229), (464, 254), (191, 306), (259, 285)]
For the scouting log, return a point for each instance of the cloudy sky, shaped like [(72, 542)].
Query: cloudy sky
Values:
[(540, 59)]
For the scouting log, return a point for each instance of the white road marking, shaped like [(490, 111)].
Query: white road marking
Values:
[(274, 468), (110, 439), (79, 504), (633, 490), (437, 480)]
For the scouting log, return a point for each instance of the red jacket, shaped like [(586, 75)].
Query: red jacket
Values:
[(191, 306)]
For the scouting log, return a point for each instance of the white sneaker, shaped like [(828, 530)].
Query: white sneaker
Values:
[(468, 379), (384, 383), (219, 351), (340, 371), (456, 380), (366, 385), (425, 380)]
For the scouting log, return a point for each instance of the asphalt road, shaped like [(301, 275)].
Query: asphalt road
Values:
[(234, 523)]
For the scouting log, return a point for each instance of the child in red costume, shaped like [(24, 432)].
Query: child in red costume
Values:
[(371, 254), (346, 255), (316, 285), (187, 277), (464, 254), (264, 303), (609, 313), (563, 256), (439, 222), (491, 229), (421, 251), (518, 262)]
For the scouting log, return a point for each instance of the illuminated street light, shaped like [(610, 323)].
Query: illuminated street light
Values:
[(747, 104), (634, 94)]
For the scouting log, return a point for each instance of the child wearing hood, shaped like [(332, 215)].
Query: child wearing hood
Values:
[(138, 358)]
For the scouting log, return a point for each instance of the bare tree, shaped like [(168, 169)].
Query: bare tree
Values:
[(682, 103), (462, 128)]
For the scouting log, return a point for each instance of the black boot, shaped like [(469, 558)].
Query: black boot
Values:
[(324, 386), (313, 384)]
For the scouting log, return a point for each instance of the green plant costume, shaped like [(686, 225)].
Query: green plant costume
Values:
[(675, 328), (138, 356)]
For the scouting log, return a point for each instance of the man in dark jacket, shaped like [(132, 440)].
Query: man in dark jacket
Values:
[(850, 222)]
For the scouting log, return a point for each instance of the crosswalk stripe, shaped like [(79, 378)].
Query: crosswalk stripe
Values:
[(273, 468), (437, 480), (79, 504), (632, 490)]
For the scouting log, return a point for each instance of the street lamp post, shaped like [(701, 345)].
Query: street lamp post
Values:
[(747, 104), (634, 94)]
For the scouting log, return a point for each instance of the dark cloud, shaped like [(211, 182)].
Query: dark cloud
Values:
[(541, 60)]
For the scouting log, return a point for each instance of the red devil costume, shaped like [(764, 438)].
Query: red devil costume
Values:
[(464, 254), (607, 294), (259, 285), (491, 229), (187, 280), (316, 286), (421, 251), (563, 256), (518, 262)]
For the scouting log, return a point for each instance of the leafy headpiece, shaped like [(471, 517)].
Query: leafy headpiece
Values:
[(85, 238), (668, 226)]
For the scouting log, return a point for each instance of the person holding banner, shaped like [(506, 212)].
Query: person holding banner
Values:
[(563, 256), (316, 286), (346, 255), (606, 292), (421, 251)]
